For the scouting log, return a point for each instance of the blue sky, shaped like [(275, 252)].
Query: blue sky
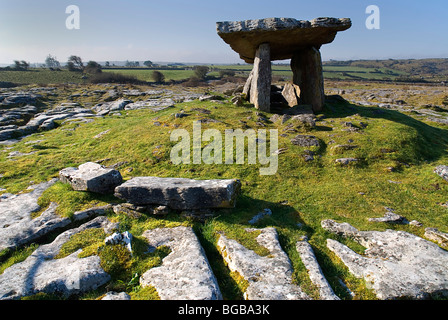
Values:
[(184, 31)]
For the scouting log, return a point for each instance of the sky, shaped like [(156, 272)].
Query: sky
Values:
[(185, 31)]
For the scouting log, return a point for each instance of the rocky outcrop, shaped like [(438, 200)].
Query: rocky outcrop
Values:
[(91, 177), (41, 272), (270, 278), (179, 193), (185, 274), (396, 264)]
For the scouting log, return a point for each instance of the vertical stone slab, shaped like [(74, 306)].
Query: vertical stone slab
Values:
[(306, 66), (260, 90), (247, 85)]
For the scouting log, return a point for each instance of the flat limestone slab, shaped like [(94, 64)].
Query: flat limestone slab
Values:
[(286, 36), (396, 264), (185, 273), (15, 219), (270, 278), (180, 193), (91, 177), (40, 272)]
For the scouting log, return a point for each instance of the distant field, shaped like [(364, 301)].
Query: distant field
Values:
[(41, 77), (330, 72), (392, 70), (146, 74)]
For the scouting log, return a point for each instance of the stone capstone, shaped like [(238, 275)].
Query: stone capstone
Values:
[(285, 35), (270, 278), (91, 177), (41, 272), (180, 193), (185, 274), (396, 264)]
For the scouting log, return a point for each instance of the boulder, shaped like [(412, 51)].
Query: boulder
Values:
[(91, 177), (180, 193), (291, 93), (396, 264), (185, 274)]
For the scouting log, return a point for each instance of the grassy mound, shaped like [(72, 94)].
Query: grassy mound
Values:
[(396, 156)]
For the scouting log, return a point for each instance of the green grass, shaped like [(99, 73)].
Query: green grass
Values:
[(41, 77), (146, 74), (300, 192), (46, 77)]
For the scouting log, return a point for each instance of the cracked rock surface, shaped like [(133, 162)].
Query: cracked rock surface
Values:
[(270, 278), (40, 272), (396, 264), (185, 273)]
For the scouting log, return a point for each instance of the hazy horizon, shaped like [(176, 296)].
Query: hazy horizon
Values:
[(185, 32)]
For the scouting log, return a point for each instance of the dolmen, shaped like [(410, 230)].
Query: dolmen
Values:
[(264, 40)]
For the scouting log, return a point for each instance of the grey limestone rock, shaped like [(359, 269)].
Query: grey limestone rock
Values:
[(91, 177), (285, 35), (305, 141), (396, 264), (438, 236), (111, 295), (180, 193), (346, 161), (41, 272), (270, 278), (185, 274), (315, 272), (390, 217), (442, 171), (16, 225)]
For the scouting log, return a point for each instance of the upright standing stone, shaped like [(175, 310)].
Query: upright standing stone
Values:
[(260, 89), (247, 85), (307, 72)]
